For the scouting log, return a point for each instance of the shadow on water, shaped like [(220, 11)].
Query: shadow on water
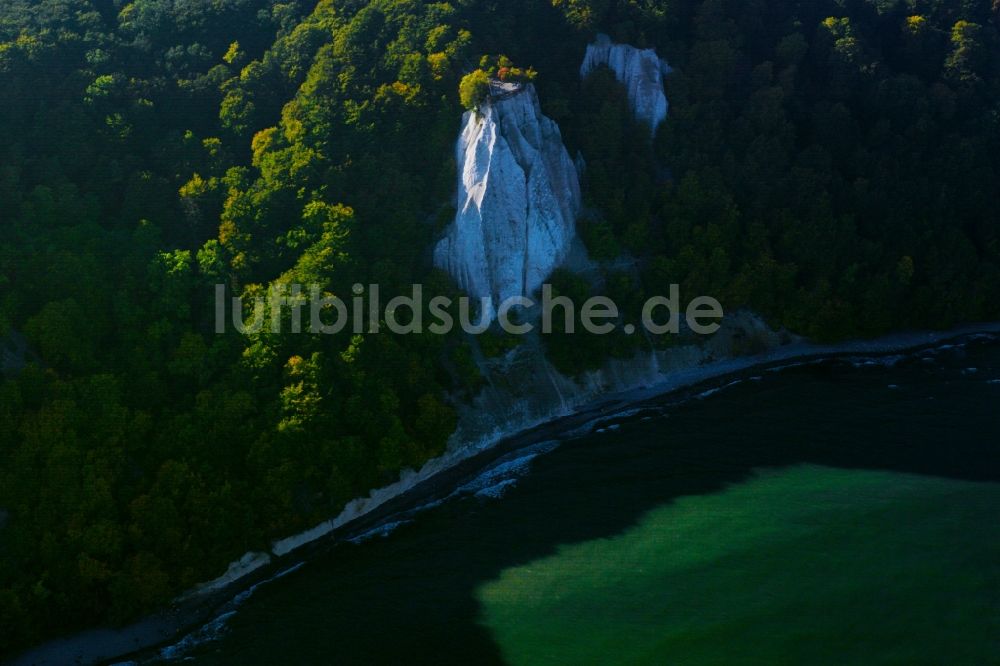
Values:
[(411, 598)]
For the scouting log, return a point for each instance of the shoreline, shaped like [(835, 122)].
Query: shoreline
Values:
[(189, 612)]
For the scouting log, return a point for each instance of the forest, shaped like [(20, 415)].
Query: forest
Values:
[(831, 164)]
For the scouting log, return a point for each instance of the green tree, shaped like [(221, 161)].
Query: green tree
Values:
[(474, 89)]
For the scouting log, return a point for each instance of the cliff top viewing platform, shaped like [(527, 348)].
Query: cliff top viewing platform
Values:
[(501, 90), (486, 84)]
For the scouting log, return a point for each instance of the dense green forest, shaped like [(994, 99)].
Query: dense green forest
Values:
[(832, 164)]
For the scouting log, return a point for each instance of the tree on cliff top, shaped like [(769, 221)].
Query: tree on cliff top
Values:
[(474, 89)]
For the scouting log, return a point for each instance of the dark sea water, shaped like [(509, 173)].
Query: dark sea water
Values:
[(841, 512)]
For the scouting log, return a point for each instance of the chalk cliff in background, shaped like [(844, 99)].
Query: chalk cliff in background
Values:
[(518, 197), (641, 71)]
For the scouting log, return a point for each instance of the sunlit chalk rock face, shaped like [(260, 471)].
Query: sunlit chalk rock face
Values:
[(518, 197), (641, 71)]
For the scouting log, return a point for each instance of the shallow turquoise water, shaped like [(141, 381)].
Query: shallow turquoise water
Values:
[(803, 565), (836, 513)]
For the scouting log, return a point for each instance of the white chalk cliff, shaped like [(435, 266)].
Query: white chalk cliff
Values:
[(518, 197), (641, 71)]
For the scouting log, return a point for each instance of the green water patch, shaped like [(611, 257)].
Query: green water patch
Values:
[(807, 565)]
